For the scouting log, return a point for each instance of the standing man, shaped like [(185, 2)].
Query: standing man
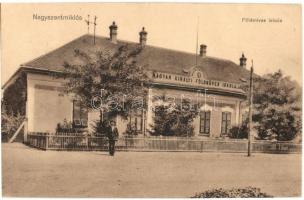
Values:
[(112, 136)]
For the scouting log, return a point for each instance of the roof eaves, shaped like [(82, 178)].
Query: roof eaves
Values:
[(27, 69), (12, 78)]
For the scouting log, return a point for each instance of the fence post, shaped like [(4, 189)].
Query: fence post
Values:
[(87, 141), (46, 142), (187, 148)]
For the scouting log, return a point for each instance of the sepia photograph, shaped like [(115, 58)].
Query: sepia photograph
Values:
[(151, 100)]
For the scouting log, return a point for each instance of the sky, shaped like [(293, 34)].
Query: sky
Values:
[(270, 45)]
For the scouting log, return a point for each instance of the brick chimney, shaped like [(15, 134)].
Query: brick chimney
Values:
[(243, 60), (143, 37), (113, 32), (203, 50)]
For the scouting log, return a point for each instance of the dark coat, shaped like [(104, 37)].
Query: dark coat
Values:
[(112, 135)]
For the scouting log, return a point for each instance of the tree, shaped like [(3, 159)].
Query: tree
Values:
[(277, 107), (13, 106), (108, 81), (174, 119), (14, 97)]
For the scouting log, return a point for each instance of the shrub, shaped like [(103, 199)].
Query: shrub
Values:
[(239, 132), (69, 127), (10, 124), (248, 192), (99, 128), (130, 131)]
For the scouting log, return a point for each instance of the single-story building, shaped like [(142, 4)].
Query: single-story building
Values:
[(214, 81)]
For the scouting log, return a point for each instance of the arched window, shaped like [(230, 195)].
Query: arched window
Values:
[(198, 74)]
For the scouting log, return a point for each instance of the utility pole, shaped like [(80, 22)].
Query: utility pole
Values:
[(88, 23), (94, 27), (250, 110), (196, 50)]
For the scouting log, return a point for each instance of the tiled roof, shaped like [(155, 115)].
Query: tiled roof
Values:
[(154, 58)]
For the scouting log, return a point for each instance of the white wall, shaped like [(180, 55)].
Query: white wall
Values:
[(46, 106), (214, 102)]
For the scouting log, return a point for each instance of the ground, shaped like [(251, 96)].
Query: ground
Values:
[(28, 172)]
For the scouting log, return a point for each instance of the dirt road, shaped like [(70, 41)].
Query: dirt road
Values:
[(28, 172)]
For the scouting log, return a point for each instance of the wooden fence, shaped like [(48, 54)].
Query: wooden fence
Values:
[(87, 143)]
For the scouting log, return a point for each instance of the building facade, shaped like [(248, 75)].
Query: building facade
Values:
[(212, 83)]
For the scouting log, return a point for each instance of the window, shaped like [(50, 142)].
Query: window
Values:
[(136, 122), (226, 122), (205, 122), (80, 114)]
